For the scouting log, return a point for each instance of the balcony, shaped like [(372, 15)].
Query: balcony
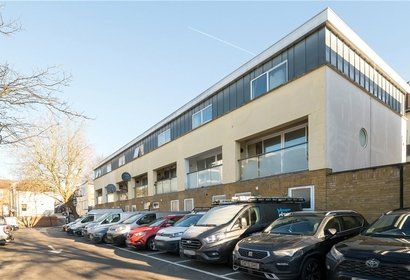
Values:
[(141, 191), (206, 177), (291, 159), (166, 186)]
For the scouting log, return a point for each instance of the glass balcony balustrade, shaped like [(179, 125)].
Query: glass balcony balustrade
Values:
[(291, 159), (206, 177)]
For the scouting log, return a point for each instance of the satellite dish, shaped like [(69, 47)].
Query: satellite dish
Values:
[(126, 177), (111, 188)]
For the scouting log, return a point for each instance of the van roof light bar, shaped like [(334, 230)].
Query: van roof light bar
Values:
[(258, 199)]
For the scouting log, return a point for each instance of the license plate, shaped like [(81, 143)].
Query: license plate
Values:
[(249, 264), (189, 252)]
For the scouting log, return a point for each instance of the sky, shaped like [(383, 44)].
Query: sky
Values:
[(134, 63)]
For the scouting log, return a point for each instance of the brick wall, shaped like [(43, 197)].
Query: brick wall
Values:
[(369, 191)]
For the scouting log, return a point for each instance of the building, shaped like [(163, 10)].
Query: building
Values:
[(319, 101), (5, 198), (85, 198)]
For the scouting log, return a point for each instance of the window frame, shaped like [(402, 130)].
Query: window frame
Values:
[(267, 78), (311, 193), (201, 117), (185, 204), (164, 137)]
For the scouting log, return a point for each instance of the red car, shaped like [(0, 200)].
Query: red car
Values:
[(143, 237)]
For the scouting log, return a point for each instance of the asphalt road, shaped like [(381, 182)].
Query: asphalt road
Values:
[(49, 253)]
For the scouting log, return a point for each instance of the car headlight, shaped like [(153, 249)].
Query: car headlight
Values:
[(176, 234), (336, 253), (288, 252), (141, 233), (121, 228), (215, 238)]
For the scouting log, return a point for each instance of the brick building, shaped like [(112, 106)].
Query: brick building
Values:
[(295, 120)]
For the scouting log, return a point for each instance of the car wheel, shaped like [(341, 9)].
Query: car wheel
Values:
[(104, 239), (312, 270), (151, 244)]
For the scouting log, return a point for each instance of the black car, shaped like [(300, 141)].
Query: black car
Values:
[(295, 246), (380, 252)]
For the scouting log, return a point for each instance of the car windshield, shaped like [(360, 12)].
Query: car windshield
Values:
[(132, 219), (103, 217), (298, 225), (188, 220), (394, 224), (220, 215), (157, 222)]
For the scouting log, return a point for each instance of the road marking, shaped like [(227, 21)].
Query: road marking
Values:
[(183, 261), (174, 263), (231, 273), (54, 250), (155, 253)]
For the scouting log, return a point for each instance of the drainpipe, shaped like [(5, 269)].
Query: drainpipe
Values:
[(401, 187)]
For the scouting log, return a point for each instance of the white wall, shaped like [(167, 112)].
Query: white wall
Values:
[(349, 109), (38, 204)]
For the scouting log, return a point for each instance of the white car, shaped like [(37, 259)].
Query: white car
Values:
[(167, 239), (5, 234)]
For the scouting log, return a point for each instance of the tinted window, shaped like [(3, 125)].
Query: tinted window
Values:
[(333, 223), (305, 225), (350, 222)]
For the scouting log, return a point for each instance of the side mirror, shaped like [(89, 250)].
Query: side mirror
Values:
[(330, 232)]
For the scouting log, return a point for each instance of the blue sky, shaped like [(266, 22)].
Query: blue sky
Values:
[(134, 63)]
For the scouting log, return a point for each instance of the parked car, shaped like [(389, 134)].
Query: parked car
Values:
[(295, 246), (92, 215), (215, 235), (108, 219), (98, 233), (5, 234), (65, 227), (380, 252), (118, 233), (168, 239), (142, 237)]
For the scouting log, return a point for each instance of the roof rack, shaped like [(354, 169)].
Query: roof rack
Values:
[(258, 199), (199, 209), (339, 211)]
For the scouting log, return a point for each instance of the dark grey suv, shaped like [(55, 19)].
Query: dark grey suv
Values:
[(295, 246)]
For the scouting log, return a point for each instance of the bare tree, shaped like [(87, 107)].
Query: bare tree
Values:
[(25, 95), (57, 162)]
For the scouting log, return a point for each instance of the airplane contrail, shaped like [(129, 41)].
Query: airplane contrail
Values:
[(222, 41)]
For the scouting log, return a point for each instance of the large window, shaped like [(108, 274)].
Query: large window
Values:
[(164, 137), (201, 117), (269, 80)]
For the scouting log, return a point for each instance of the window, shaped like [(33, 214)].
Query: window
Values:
[(188, 204), (121, 160), (269, 80), (220, 197), (23, 207), (174, 205), (350, 222), (164, 137), (109, 167), (307, 192), (139, 151), (201, 117), (333, 223)]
